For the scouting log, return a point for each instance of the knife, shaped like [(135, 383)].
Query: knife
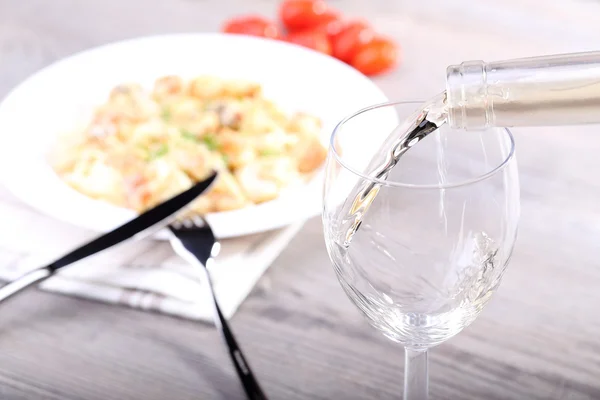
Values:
[(141, 226)]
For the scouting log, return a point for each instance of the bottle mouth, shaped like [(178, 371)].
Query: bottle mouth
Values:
[(467, 96), (336, 154)]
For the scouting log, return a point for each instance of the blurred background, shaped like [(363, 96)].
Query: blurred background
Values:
[(432, 33)]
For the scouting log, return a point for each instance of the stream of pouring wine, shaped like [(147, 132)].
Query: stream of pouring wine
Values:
[(426, 121)]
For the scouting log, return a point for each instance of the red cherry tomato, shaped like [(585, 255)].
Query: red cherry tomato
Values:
[(313, 40), (352, 37), (331, 24), (252, 25), (378, 56), (303, 14)]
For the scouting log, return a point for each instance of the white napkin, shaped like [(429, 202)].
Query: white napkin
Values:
[(147, 275)]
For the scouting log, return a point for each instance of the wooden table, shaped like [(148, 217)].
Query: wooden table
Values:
[(538, 339)]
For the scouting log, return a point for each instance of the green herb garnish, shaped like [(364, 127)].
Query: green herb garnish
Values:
[(166, 114), (188, 135), (211, 142), (268, 152), (161, 151), (225, 159)]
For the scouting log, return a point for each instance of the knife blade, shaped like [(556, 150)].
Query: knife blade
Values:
[(141, 226)]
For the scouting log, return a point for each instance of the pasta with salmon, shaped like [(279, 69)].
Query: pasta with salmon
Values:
[(143, 146)]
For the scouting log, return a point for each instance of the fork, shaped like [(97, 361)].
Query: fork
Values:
[(193, 239)]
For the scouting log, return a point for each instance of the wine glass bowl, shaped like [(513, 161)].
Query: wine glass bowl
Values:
[(434, 242)]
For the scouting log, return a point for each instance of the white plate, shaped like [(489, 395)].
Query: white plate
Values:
[(62, 95)]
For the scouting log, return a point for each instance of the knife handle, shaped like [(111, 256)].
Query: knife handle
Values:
[(24, 281)]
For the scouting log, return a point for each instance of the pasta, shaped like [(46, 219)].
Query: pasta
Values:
[(144, 146)]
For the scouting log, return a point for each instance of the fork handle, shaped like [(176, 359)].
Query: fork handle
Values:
[(251, 386), (188, 248), (249, 382), (24, 281)]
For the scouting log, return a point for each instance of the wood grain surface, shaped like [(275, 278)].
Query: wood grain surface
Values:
[(538, 339)]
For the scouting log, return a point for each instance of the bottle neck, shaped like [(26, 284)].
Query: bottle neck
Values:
[(538, 91)]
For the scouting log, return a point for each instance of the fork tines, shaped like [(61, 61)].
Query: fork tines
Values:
[(189, 222)]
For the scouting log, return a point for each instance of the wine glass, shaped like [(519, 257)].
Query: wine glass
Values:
[(434, 242)]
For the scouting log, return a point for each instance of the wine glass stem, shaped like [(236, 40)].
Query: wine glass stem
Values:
[(416, 376)]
